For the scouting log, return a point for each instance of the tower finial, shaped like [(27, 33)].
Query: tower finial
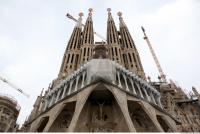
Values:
[(109, 10), (90, 11), (119, 14), (109, 13), (121, 19)]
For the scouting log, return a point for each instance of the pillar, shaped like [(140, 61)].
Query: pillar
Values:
[(70, 87), (134, 92), (76, 83), (141, 95), (127, 89), (58, 94), (146, 94), (64, 90), (119, 84), (152, 98), (83, 80), (52, 99)]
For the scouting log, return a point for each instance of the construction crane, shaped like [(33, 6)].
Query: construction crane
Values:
[(162, 75), (71, 17), (13, 86)]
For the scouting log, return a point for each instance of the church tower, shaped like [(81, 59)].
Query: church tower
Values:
[(72, 52), (113, 40), (130, 54), (101, 88), (87, 40)]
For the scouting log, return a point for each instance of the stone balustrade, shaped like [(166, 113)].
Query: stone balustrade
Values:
[(109, 71)]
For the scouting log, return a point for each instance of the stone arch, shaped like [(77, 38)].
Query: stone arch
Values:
[(63, 120), (101, 113), (42, 124), (140, 118), (163, 123)]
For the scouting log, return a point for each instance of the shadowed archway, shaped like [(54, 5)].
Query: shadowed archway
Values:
[(101, 113), (140, 118)]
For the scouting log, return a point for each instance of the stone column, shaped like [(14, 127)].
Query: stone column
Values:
[(141, 95), (70, 87), (45, 104), (58, 94), (119, 84), (134, 92), (146, 94), (52, 99), (152, 98), (64, 90), (77, 79), (83, 80), (127, 89)]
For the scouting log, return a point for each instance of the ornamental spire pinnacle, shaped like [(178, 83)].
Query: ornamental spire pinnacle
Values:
[(90, 11), (122, 23), (109, 14)]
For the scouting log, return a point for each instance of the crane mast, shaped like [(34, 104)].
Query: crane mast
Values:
[(13, 86), (162, 75), (72, 18)]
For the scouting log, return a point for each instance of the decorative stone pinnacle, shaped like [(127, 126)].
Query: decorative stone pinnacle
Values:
[(90, 11), (119, 14), (80, 14), (109, 9)]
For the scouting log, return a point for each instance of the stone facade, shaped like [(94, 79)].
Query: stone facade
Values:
[(101, 87), (9, 111)]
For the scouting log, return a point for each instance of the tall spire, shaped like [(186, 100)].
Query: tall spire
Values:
[(130, 54), (112, 35), (71, 56), (121, 21), (88, 33), (87, 39), (113, 39)]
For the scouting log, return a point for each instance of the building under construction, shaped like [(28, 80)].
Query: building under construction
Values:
[(9, 111), (102, 87)]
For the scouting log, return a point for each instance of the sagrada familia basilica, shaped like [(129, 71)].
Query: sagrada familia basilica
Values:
[(102, 87)]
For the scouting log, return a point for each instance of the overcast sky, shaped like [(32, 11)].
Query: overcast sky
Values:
[(34, 35)]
